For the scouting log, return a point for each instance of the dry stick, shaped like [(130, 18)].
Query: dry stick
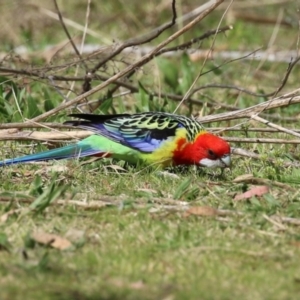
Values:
[(268, 104), (278, 56), (187, 45), (133, 88), (274, 222), (124, 72), (260, 140), (229, 87), (130, 43), (279, 128), (86, 82), (277, 117), (189, 91), (251, 4), (67, 32), (138, 41), (249, 154), (241, 5), (179, 98), (43, 135), (189, 15), (254, 18), (245, 130), (90, 204), (284, 100), (271, 39), (159, 94), (195, 53), (49, 125), (283, 83), (33, 125), (288, 220), (106, 201), (109, 94), (87, 79), (86, 85), (41, 74), (69, 22), (80, 134), (287, 74)]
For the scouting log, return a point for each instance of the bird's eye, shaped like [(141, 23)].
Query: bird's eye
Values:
[(212, 153)]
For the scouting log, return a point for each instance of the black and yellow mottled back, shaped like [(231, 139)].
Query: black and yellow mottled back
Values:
[(143, 131)]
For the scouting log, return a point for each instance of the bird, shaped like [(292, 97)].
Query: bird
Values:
[(150, 138)]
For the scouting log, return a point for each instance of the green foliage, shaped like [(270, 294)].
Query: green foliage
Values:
[(4, 243), (105, 106), (46, 196), (186, 191), (188, 74), (7, 89), (169, 70)]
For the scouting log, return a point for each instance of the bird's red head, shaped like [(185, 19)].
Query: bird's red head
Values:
[(212, 151), (207, 150)]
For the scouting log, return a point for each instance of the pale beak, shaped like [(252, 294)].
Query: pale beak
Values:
[(226, 160)]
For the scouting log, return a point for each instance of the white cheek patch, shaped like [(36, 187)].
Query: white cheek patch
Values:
[(210, 163)]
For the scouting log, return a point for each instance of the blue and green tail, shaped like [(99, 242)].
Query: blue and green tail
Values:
[(80, 149)]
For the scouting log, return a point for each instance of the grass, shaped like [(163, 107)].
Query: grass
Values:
[(140, 244)]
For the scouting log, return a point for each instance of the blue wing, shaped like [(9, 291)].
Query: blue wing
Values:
[(144, 132)]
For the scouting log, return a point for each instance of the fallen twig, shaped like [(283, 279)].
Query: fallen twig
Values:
[(281, 101), (250, 154), (279, 128), (261, 140), (17, 135)]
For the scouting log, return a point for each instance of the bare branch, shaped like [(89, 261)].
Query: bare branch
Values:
[(139, 41), (249, 154), (66, 31), (261, 140), (284, 100), (127, 70)]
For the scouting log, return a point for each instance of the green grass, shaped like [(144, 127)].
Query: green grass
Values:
[(140, 244), (131, 251)]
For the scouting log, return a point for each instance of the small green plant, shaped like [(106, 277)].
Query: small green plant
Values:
[(46, 195)]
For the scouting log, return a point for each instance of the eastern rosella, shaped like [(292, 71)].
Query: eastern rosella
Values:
[(152, 138)]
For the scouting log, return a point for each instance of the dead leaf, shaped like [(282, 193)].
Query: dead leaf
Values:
[(295, 244), (53, 240), (243, 178), (11, 212), (203, 211), (254, 191)]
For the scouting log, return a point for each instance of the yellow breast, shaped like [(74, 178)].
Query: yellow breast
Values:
[(164, 154)]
